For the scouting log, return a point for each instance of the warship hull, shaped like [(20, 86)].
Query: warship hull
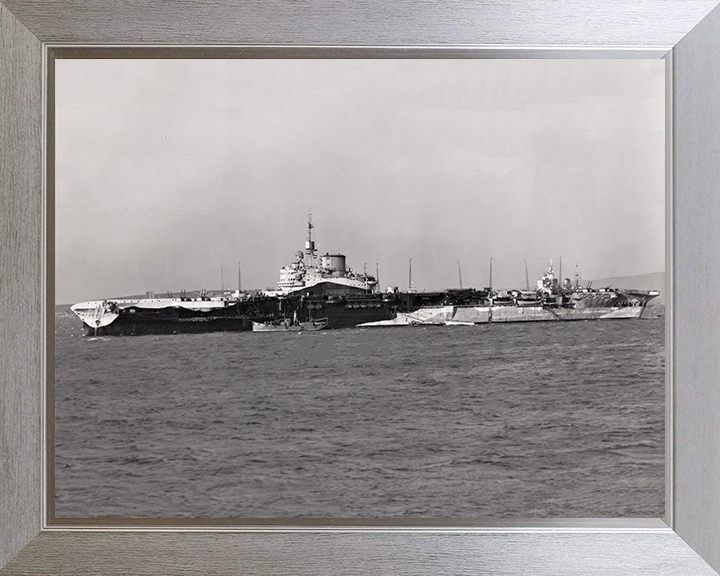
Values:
[(131, 318)]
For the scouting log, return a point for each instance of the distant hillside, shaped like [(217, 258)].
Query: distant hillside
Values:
[(652, 281)]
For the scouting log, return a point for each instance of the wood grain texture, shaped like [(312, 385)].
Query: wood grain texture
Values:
[(376, 22), (696, 101), (20, 282), (597, 554)]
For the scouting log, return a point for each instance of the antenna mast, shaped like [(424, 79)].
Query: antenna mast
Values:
[(309, 244), (239, 279), (560, 272), (527, 280), (577, 277)]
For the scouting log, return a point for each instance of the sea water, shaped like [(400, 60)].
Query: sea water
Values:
[(556, 419)]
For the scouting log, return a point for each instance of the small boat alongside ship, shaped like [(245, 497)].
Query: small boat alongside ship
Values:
[(322, 292), (287, 325)]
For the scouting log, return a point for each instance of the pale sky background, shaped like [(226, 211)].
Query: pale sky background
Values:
[(169, 170)]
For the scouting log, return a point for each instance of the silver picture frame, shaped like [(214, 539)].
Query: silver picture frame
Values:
[(686, 33)]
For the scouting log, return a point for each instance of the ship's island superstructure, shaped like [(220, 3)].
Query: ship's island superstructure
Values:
[(319, 292), (330, 270)]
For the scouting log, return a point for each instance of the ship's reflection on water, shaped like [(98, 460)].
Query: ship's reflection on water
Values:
[(525, 420)]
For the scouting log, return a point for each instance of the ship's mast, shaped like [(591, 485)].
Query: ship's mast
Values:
[(459, 274), (527, 279), (490, 287), (309, 244), (560, 272), (577, 277)]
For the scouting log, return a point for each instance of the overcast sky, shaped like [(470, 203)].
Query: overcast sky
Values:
[(169, 170)]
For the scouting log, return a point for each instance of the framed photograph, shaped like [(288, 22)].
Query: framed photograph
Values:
[(324, 387), (642, 94)]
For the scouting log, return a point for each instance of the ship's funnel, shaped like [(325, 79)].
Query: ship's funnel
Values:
[(333, 263)]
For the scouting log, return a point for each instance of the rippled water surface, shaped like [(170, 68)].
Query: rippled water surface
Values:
[(559, 419)]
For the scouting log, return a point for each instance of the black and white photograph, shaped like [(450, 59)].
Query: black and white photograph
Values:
[(359, 288)]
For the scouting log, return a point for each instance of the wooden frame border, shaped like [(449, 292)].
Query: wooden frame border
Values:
[(688, 29)]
